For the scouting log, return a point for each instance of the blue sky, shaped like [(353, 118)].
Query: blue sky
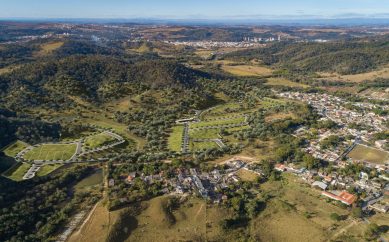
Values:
[(193, 9)]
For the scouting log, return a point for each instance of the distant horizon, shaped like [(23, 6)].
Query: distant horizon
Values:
[(204, 21), (194, 9)]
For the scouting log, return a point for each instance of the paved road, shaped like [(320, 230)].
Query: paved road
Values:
[(185, 139)]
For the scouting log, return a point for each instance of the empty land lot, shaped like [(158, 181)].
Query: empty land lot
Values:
[(98, 140), (364, 153), (247, 70), (51, 152), (175, 138), (283, 82)]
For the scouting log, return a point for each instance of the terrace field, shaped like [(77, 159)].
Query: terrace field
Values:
[(47, 169), (51, 152), (175, 138), (98, 140), (373, 155), (17, 172), (220, 122), (13, 149), (204, 134)]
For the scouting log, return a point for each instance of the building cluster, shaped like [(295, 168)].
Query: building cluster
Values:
[(216, 44), (208, 185), (335, 186), (335, 109), (261, 40)]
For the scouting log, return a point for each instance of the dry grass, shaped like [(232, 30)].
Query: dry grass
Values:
[(373, 155), (274, 81), (97, 227), (368, 76), (247, 175), (48, 48), (153, 224), (247, 70), (279, 116)]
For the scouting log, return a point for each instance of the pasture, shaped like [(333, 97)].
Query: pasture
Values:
[(274, 81), (363, 153), (51, 152), (187, 223), (48, 48), (247, 70)]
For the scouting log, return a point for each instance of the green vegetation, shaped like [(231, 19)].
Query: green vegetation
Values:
[(98, 140), (47, 169), (204, 134), (51, 152), (13, 149), (17, 172), (217, 122), (175, 138), (202, 145)]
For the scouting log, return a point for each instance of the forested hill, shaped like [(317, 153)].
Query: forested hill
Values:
[(349, 57), (94, 78)]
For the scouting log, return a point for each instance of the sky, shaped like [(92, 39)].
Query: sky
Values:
[(194, 9)]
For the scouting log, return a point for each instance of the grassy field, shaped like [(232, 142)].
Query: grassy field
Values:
[(13, 149), (51, 152), (222, 110), (121, 129), (368, 76), (48, 48), (175, 138), (90, 181), (204, 134), (97, 227), (47, 169), (217, 122), (16, 173), (273, 81), (202, 145), (98, 140), (296, 213), (154, 225), (279, 116), (364, 153), (247, 70), (247, 175)]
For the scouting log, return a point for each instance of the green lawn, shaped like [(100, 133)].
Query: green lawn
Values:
[(47, 169), (202, 145), (364, 153), (217, 122), (98, 140), (51, 152), (18, 172), (175, 138), (204, 134), (13, 149), (92, 180)]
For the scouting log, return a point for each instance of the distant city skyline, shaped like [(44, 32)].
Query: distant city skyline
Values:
[(195, 9)]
